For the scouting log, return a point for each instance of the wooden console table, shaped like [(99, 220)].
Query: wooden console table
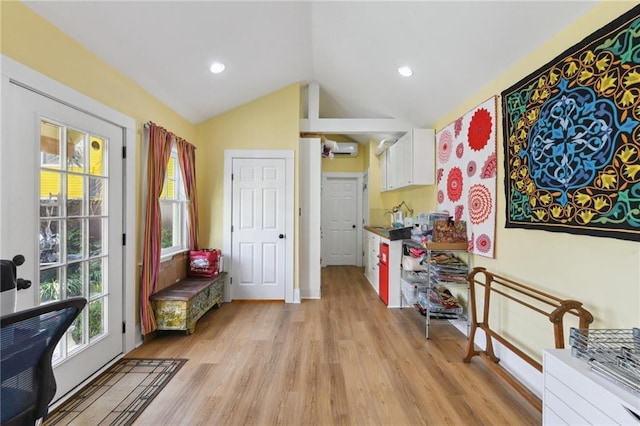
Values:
[(180, 306)]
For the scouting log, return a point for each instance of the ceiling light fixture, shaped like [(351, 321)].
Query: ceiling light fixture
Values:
[(217, 67), (405, 71)]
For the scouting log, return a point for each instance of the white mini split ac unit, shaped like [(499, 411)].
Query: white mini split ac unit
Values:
[(346, 149)]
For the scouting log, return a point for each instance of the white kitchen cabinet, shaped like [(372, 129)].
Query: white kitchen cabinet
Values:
[(373, 251), (383, 170), (394, 262), (410, 171), (575, 395), (372, 271), (410, 161), (393, 168)]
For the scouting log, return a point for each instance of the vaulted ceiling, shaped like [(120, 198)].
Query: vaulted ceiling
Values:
[(351, 48)]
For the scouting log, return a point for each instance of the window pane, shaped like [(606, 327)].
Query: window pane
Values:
[(75, 195), (95, 277), (96, 227), (75, 279), (50, 285), (171, 167), (166, 211), (96, 319), (57, 353), (50, 190), (50, 144), (50, 205), (75, 239), (97, 193), (75, 335), (75, 151), (171, 189), (163, 194), (49, 241), (97, 156)]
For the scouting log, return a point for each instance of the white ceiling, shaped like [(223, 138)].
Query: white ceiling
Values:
[(351, 48)]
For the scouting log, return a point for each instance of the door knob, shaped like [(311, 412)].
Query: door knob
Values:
[(18, 259), (353, 226), (281, 236), (22, 284)]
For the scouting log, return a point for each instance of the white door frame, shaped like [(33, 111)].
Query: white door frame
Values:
[(33, 80), (365, 200), (365, 215), (288, 156), (358, 177)]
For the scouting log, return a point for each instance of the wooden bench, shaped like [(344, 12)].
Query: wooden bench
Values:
[(180, 306)]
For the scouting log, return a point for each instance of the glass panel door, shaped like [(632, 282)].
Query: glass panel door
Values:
[(73, 228)]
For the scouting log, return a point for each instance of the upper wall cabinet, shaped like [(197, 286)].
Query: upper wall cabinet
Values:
[(383, 170), (410, 161)]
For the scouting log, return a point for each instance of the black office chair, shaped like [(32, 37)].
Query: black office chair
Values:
[(27, 341)]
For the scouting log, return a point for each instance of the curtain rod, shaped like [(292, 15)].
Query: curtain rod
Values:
[(149, 123)]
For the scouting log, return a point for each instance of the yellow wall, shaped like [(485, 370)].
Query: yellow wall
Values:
[(344, 164), (603, 273), (373, 164), (34, 42), (268, 123)]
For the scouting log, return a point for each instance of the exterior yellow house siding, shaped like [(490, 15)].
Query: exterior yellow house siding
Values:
[(50, 180)]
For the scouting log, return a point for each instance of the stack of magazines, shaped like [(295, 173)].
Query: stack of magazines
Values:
[(440, 303), (447, 268)]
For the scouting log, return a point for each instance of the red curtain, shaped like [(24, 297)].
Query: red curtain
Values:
[(160, 142), (187, 156)]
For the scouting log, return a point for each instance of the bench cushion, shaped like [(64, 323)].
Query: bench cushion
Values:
[(184, 289)]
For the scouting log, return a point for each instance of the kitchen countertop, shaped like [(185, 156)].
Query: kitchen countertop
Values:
[(378, 230), (384, 232)]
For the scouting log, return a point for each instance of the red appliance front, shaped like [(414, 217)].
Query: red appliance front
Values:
[(383, 280)]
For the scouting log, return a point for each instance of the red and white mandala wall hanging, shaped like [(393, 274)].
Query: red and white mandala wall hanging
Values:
[(467, 174)]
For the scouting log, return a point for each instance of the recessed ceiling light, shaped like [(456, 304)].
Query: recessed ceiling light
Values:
[(217, 67), (405, 71)]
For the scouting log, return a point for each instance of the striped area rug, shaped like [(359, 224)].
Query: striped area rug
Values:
[(119, 395)]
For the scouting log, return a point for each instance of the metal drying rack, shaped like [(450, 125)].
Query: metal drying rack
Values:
[(611, 353)]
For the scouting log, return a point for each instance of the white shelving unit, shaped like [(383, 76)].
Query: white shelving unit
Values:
[(417, 285)]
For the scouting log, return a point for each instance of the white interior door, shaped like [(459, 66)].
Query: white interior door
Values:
[(61, 207), (258, 228), (341, 220)]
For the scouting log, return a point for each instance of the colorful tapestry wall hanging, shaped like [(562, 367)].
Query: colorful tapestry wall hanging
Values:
[(467, 174), (572, 138)]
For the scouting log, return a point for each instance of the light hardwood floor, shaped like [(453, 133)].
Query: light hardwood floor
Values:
[(345, 359)]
